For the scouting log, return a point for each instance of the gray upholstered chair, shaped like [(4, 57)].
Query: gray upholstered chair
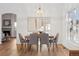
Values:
[(54, 41), (44, 39), (22, 41), (33, 40)]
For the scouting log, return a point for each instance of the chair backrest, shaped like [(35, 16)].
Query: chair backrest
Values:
[(21, 38), (33, 38), (44, 38), (56, 38)]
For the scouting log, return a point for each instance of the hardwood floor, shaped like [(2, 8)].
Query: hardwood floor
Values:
[(10, 48)]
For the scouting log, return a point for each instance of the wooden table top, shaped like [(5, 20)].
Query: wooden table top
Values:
[(49, 36)]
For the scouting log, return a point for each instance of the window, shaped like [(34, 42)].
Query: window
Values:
[(73, 25)]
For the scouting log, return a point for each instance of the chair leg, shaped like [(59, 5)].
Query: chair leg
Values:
[(50, 44), (37, 47), (25, 47), (21, 47), (29, 47), (40, 47), (53, 46), (56, 46), (48, 47)]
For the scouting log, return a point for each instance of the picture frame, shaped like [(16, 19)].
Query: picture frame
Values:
[(7, 22)]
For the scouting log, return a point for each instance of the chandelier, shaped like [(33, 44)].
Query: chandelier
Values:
[(39, 12)]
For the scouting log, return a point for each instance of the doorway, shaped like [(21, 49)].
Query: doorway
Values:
[(8, 26)]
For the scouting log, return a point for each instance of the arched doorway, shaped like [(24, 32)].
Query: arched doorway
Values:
[(8, 25)]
